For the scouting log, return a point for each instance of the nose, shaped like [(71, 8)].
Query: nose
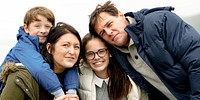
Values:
[(71, 50), (96, 56), (108, 31), (44, 30)]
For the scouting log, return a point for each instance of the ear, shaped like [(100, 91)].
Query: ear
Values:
[(25, 26), (120, 14), (110, 55), (48, 47)]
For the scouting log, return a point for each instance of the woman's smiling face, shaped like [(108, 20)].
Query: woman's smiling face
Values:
[(66, 51)]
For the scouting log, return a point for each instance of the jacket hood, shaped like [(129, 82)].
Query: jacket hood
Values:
[(21, 32), (22, 35)]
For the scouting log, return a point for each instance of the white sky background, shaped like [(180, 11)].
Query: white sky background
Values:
[(74, 12)]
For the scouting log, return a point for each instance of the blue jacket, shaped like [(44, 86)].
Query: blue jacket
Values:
[(27, 52), (170, 47)]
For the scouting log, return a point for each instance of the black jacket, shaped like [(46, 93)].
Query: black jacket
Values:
[(170, 47)]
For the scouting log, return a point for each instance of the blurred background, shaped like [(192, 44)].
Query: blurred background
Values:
[(76, 13)]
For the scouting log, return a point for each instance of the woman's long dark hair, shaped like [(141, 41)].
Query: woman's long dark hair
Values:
[(54, 35), (119, 84)]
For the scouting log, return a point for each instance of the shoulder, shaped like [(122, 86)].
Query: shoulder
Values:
[(136, 93), (86, 85), (86, 73), (85, 70)]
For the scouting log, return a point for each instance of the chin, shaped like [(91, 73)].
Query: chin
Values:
[(69, 66), (42, 42)]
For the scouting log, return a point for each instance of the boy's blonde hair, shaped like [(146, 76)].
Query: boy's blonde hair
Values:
[(31, 15)]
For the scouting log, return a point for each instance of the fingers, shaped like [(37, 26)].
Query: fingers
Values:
[(68, 97), (72, 96), (64, 97)]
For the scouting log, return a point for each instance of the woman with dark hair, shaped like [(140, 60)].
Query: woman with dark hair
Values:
[(62, 50), (101, 77)]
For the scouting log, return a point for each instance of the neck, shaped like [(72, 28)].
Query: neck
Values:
[(102, 74), (58, 70)]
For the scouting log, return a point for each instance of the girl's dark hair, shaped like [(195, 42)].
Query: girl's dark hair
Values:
[(54, 35), (119, 84)]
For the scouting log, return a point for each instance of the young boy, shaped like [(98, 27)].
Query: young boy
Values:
[(37, 23)]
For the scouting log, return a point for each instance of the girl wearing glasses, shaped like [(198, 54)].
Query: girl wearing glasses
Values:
[(101, 77)]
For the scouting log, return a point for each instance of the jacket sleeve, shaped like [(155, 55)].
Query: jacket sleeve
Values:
[(38, 68), (71, 79), (183, 42)]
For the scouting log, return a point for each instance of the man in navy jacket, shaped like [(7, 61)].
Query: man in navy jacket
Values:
[(155, 47)]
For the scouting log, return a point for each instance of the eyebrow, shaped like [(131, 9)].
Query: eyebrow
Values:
[(105, 26), (107, 23)]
